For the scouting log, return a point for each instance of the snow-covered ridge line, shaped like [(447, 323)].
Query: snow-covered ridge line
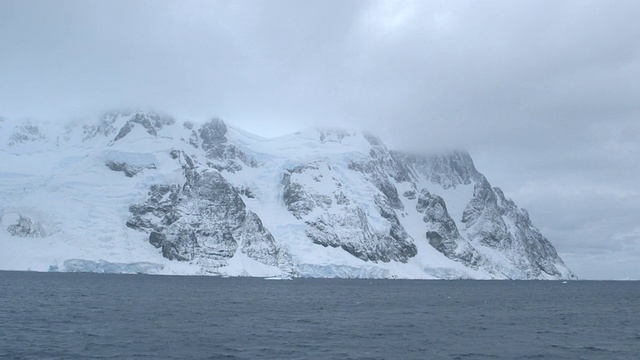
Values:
[(143, 192)]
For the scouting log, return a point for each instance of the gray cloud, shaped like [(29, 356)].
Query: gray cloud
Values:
[(542, 93)]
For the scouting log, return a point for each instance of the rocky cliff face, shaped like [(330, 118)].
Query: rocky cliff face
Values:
[(204, 220), (316, 203), (334, 220)]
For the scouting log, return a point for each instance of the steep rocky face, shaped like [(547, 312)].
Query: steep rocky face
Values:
[(259, 244), (204, 220), (496, 222), (300, 199), (193, 139), (483, 220), (334, 220), (540, 255), (213, 135), (351, 231), (315, 203), (217, 148), (383, 168), (442, 232)]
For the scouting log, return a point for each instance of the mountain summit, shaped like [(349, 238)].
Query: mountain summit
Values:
[(143, 193)]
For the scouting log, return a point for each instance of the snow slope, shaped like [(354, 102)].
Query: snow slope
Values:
[(137, 192)]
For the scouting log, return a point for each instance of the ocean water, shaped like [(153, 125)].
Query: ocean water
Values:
[(80, 316)]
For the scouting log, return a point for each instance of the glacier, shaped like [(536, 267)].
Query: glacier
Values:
[(140, 192), (101, 266)]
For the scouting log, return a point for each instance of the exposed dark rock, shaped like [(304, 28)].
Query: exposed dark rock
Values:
[(213, 134), (483, 215), (341, 198), (333, 135), (301, 200), (124, 130), (188, 162), (435, 211), (297, 200), (246, 192), (389, 190), (397, 232), (214, 143), (157, 239), (128, 169), (184, 160), (258, 243), (193, 139), (204, 220), (152, 123), (442, 232), (229, 165), (486, 217), (381, 169), (26, 227), (348, 227), (380, 180), (409, 194), (350, 230)]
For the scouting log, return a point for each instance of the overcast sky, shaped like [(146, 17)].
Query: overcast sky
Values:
[(545, 95)]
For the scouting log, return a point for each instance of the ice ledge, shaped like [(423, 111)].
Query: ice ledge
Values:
[(342, 272), (101, 266)]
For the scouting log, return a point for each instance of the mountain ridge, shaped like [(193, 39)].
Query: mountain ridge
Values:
[(209, 198)]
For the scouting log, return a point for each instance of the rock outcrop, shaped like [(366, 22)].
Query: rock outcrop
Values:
[(27, 227), (323, 203)]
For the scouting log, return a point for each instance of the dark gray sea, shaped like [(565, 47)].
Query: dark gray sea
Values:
[(80, 316)]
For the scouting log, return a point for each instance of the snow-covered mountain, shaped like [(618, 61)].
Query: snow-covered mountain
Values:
[(143, 193)]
